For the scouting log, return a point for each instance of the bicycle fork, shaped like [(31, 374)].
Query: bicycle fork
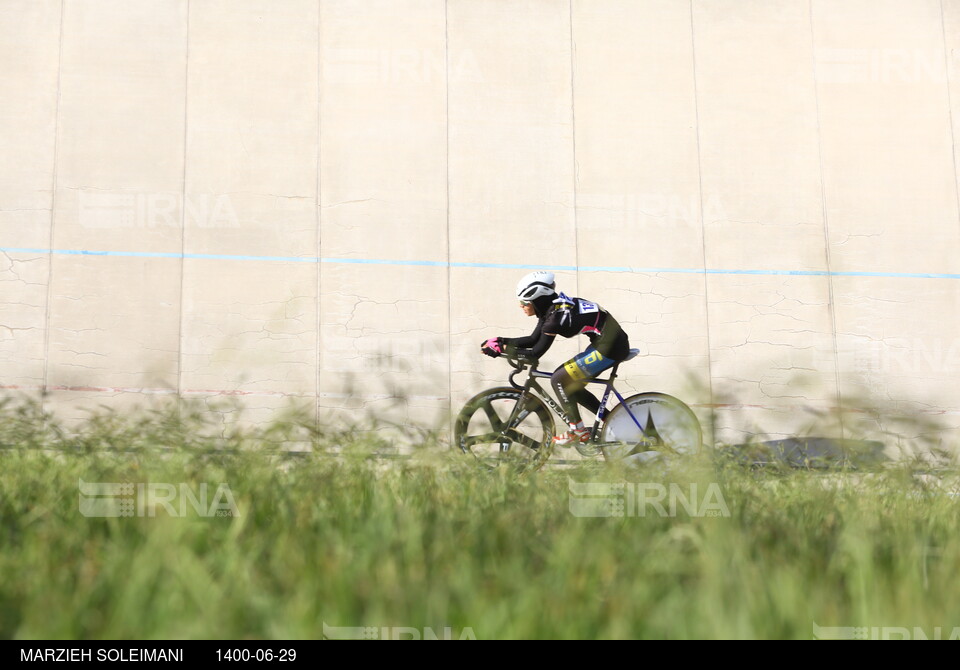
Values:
[(517, 415)]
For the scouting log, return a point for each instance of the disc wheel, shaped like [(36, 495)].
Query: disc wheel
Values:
[(667, 426)]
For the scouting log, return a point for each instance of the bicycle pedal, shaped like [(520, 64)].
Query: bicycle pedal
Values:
[(589, 449)]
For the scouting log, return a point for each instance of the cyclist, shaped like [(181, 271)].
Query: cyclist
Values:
[(558, 314)]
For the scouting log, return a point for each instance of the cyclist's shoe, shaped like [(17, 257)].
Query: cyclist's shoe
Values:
[(572, 437)]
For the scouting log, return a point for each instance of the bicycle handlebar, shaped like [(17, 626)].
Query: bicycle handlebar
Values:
[(519, 365)]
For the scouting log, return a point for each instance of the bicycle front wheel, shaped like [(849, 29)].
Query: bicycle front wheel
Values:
[(481, 431), (650, 424)]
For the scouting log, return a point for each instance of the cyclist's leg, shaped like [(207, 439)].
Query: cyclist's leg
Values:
[(570, 381), (573, 394), (568, 386), (586, 399)]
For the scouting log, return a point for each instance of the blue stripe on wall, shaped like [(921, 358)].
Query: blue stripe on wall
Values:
[(497, 266)]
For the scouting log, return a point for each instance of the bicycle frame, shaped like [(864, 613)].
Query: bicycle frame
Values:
[(516, 416)]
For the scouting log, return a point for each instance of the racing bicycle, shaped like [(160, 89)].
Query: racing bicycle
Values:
[(514, 425)]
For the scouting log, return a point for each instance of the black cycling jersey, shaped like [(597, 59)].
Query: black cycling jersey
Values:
[(570, 317)]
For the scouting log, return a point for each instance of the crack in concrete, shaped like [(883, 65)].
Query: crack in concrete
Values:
[(347, 202)]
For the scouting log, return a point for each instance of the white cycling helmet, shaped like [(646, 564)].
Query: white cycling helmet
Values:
[(536, 285)]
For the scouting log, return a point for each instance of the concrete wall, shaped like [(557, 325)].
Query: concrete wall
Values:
[(329, 202)]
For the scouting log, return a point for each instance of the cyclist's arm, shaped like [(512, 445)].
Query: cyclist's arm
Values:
[(513, 343), (540, 348), (540, 341)]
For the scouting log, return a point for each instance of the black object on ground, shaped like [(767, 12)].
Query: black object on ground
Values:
[(810, 452)]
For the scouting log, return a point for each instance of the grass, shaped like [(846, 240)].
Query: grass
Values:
[(432, 543)]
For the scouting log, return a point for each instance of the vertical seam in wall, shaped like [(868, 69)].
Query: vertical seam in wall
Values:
[(573, 146), (183, 216), (446, 49), (53, 215), (953, 139), (319, 358), (703, 228), (826, 224)]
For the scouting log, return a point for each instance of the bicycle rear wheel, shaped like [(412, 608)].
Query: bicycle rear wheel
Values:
[(480, 430), (649, 425)]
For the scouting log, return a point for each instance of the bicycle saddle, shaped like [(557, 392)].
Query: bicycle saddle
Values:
[(633, 354)]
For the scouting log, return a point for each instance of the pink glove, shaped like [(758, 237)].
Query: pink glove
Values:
[(492, 347)]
